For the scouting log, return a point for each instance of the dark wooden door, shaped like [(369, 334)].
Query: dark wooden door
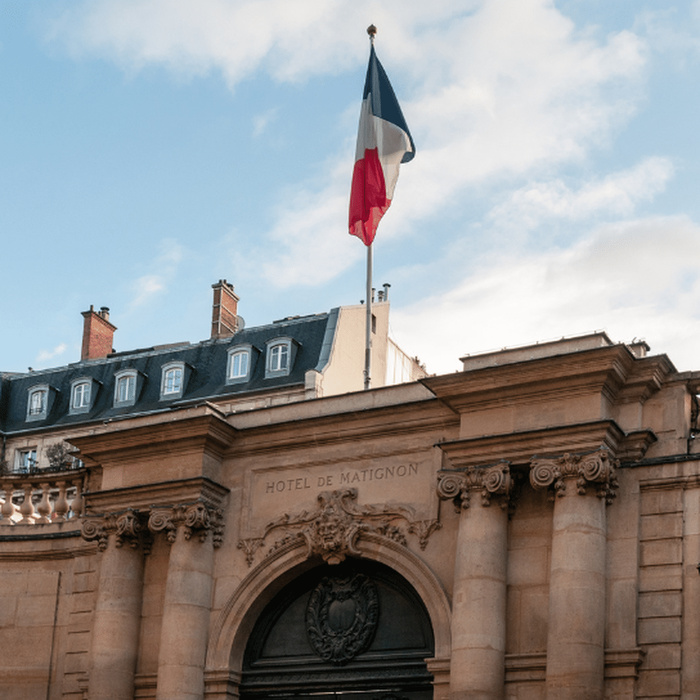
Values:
[(355, 631)]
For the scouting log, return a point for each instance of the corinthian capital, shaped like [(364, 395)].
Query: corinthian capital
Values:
[(195, 519), (595, 469), (127, 528), (494, 480)]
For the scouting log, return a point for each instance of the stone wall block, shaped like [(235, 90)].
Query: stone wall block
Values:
[(662, 656), (661, 578), (660, 604), (656, 552), (657, 630), (658, 684), (661, 526), (657, 501)]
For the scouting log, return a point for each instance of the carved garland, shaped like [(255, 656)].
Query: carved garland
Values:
[(494, 480), (332, 530), (596, 469)]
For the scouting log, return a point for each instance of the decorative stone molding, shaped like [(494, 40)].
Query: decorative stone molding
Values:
[(96, 529), (332, 530), (490, 481), (135, 528), (127, 527), (196, 519), (341, 617), (595, 469)]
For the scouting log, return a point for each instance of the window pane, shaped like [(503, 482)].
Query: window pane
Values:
[(172, 382), (125, 388), (81, 395), (239, 364), (37, 402), (279, 357)]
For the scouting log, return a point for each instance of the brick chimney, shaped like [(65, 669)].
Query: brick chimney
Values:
[(98, 334), (224, 319)]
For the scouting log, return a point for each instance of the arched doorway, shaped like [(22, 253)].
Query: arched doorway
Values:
[(355, 631)]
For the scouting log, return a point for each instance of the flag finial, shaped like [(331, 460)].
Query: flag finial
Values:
[(372, 31)]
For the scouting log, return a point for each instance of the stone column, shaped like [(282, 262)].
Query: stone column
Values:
[(479, 598), (576, 626), (187, 602), (115, 633)]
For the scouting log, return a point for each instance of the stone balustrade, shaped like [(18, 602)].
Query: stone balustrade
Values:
[(41, 498)]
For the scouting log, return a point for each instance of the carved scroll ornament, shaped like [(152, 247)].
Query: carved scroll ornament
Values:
[(332, 530), (196, 519), (494, 480), (127, 527), (135, 528), (595, 469)]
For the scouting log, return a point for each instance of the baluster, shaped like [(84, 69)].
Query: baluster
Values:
[(8, 507), (27, 507), (44, 505), (60, 507), (77, 504)]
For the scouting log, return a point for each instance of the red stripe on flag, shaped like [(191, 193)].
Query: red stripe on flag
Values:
[(368, 201)]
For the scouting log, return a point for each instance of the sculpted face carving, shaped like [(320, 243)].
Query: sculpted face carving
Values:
[(332, 530)]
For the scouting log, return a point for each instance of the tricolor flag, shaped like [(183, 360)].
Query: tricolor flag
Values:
[(383, 143)]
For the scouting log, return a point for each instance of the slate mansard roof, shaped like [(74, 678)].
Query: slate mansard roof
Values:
[(205, 376)]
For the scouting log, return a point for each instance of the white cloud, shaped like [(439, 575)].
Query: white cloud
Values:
[(45, 356), (309, 244), (145, 287), (617, 194), (508, 90), (498, 91), (631, 278), (262, 121)]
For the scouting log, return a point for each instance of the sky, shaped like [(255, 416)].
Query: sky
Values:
[(149, 148)]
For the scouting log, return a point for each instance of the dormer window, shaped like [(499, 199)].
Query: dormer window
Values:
[(280, 357), (238, 364), (241, 361), (125, 388), (172, 381), (81, 395), (37, 402)]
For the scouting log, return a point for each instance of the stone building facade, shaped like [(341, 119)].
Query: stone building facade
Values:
[(526, 528)]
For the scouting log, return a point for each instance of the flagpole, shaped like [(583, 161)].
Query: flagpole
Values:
[(368, 323), (371, 31)]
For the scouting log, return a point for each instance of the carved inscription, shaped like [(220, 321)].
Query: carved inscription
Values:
[(349, 477)]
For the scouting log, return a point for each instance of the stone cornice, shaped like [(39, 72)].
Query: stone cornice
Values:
[(166, 493), (209, 433), (611, 371), (367, 424), (519, 448)]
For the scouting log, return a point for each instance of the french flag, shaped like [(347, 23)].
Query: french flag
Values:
[(383, 143)]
